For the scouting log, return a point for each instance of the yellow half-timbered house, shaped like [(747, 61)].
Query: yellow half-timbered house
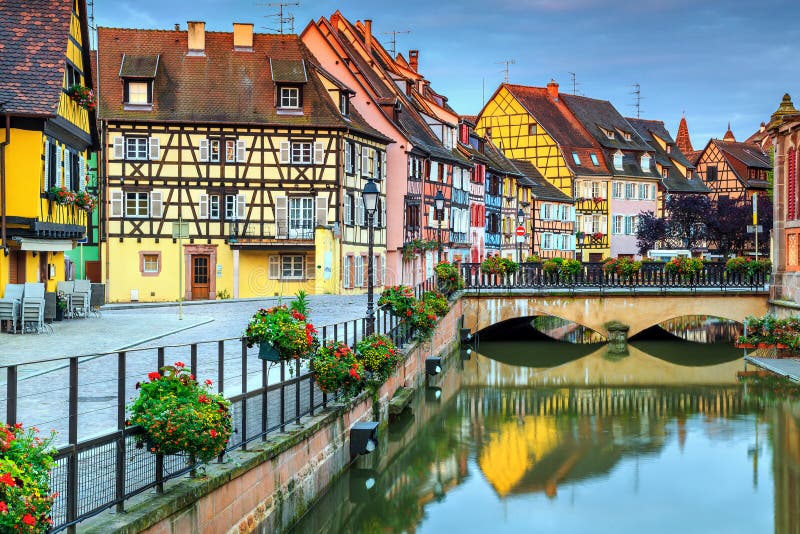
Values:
[(44, 136), (234, 167)]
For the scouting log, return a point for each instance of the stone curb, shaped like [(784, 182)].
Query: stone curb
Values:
[(169, 304)]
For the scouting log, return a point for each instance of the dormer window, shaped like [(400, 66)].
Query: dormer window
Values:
[(344, 103), (608, 133), (289, 97), (665, 172), (593, 157), (626, 136), (669, 149), (138, 92), (618, 160), (575, 158), (645, 162), (138, 74)]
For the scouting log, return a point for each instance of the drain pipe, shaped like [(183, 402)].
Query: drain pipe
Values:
[(3, 145)]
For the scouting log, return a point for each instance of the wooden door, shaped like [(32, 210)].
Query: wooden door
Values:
[(16, 267), (93, 272), (595, 257), (200, 277), (43, 267)]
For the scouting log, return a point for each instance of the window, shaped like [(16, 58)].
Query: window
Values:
[(138, 92), (626, 136), (213, 207), (532, 129), (617, 222), (289, 97), (347, 280), (136, 204), (213, 150), (643, 192), (292, 267), (136, 148), (665, 172), (547, 241), (73, 74), (344, 103), (150, 263), (645, 163), (608, 133), (301, 217), (349, 157), (669, 149), (711, 173), (688, 174), (616, 189), (630, 191), (234, 207), (301, 153), (596, 190), (618, 160), (593, 157), (547, 211), (359, 271), (575, 158)]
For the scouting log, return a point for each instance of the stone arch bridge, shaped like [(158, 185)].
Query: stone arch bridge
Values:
[(594, 310)]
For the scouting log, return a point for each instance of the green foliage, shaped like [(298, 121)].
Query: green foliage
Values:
[(448, 277), (417, 246), (300, 303), (566, 268), (287, 329), (420, 314), (498, 265), (533, 259), (683, 267), (25, 463), (336, 368), (179, 415), (437, 302), (748, 266), (623, 267), (772, 331), (223, 294), (399, 299), (379, 355)]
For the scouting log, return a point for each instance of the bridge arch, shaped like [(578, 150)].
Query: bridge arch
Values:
[(637, 311)]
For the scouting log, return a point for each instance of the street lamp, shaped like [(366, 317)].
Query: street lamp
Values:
[(370, 196), (438, 203), (520, 222)]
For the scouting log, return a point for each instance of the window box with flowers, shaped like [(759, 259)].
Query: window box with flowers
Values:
[(683, 268), (85, 200), (83, 96), (25, 464), (379, 355), (61, 195), (598, 236), (181, 416), (448, 278), (282, 332), (399, 300), (499, 266), (336, 369)]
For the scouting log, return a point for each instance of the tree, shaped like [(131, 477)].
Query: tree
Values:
[(686, 222), (651, 230), (727, 225)]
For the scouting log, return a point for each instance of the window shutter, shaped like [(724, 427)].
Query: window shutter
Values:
[(284, 152), (542, 211), (81, 173), (319, 153), (604, 224), (383, 165), (47, 178), (309, 269), (241, 151), (652, 191), (203, 208), (59, 167), (281, 217), (274, 267), (348, 212), (434, 171), (364, 160), (203, 149), (383, 213), (604, 189), (68, 169), (322, 210), (156, 207), (116, 203), (356, 160), (241, 206), (119, 147), (154, 146)]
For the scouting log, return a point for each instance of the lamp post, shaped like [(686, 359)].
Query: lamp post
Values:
[(370, 196), (520, 222), (438, 203)]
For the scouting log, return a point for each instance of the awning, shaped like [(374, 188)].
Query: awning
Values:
[(45, 245)]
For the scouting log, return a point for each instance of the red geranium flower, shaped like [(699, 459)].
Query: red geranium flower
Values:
[(208, 382), (28, 519), (3, 507), (212, 433), (180, 365), (155, 375), (7, 479)]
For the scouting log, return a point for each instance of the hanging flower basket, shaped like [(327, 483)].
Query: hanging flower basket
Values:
[(83, 96), (282, 330), (85, 200), (61, 195), (267, 351)]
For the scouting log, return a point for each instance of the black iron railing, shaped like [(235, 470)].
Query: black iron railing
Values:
[(651, 276), (99, 465)]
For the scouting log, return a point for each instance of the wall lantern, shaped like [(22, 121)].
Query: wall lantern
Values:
[(433, 366), (466, 335), (363, 438)]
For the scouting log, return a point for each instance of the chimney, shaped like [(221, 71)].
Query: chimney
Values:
[(413, 59), (552, 90), (368, 35), (242, 37), (177, 27), (197, 38)]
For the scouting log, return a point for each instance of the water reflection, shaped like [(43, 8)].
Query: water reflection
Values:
[(505, 448)]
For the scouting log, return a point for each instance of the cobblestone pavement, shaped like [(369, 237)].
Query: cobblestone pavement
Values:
[(43, 392)]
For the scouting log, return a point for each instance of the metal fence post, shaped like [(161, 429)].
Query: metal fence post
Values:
[(283, 396), (72, 437), (121, 425), (297, 392), (193, 361), (244, 395), (264, 400), (11, 394)]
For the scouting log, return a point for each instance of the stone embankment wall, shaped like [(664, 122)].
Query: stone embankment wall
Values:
[(273, 483)]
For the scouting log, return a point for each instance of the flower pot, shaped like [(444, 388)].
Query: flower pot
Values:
[(267, 351), (782, 346), (745, 345), (59, 313)]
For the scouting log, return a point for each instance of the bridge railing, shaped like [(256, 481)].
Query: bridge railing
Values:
[(591, 276)]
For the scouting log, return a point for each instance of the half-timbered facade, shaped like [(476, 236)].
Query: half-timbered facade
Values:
[(784, 130), (45, 136), (535, 125), (472, 147), (734, 170), (234, 165)]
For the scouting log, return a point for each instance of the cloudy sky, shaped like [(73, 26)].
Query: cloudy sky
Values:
[(715, 60)]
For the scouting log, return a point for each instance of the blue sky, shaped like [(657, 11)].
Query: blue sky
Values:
[(715, 60)]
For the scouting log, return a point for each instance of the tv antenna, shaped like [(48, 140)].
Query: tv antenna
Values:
[(575, 83), (393, 40), (281, 17), (637, 92), (506, 63)]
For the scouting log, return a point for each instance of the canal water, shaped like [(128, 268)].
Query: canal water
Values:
[(545, 436)]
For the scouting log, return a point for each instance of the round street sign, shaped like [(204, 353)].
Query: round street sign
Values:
[(520, 231)]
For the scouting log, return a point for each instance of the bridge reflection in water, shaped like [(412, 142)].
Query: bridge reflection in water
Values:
[(646, 441)]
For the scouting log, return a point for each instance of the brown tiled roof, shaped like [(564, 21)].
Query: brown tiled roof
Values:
[(563, 127), (33, 45), (223, 85), (540, 187), (741, 156), (139, 66), (596, 114), (288, 70), (682, 139)]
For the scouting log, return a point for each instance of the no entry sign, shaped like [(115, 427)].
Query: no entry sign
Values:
[(520, 231)]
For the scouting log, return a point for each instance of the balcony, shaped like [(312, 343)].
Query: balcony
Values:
[(591, 204), (298, 234), (459, 237), (591, 241), (411, 233)]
